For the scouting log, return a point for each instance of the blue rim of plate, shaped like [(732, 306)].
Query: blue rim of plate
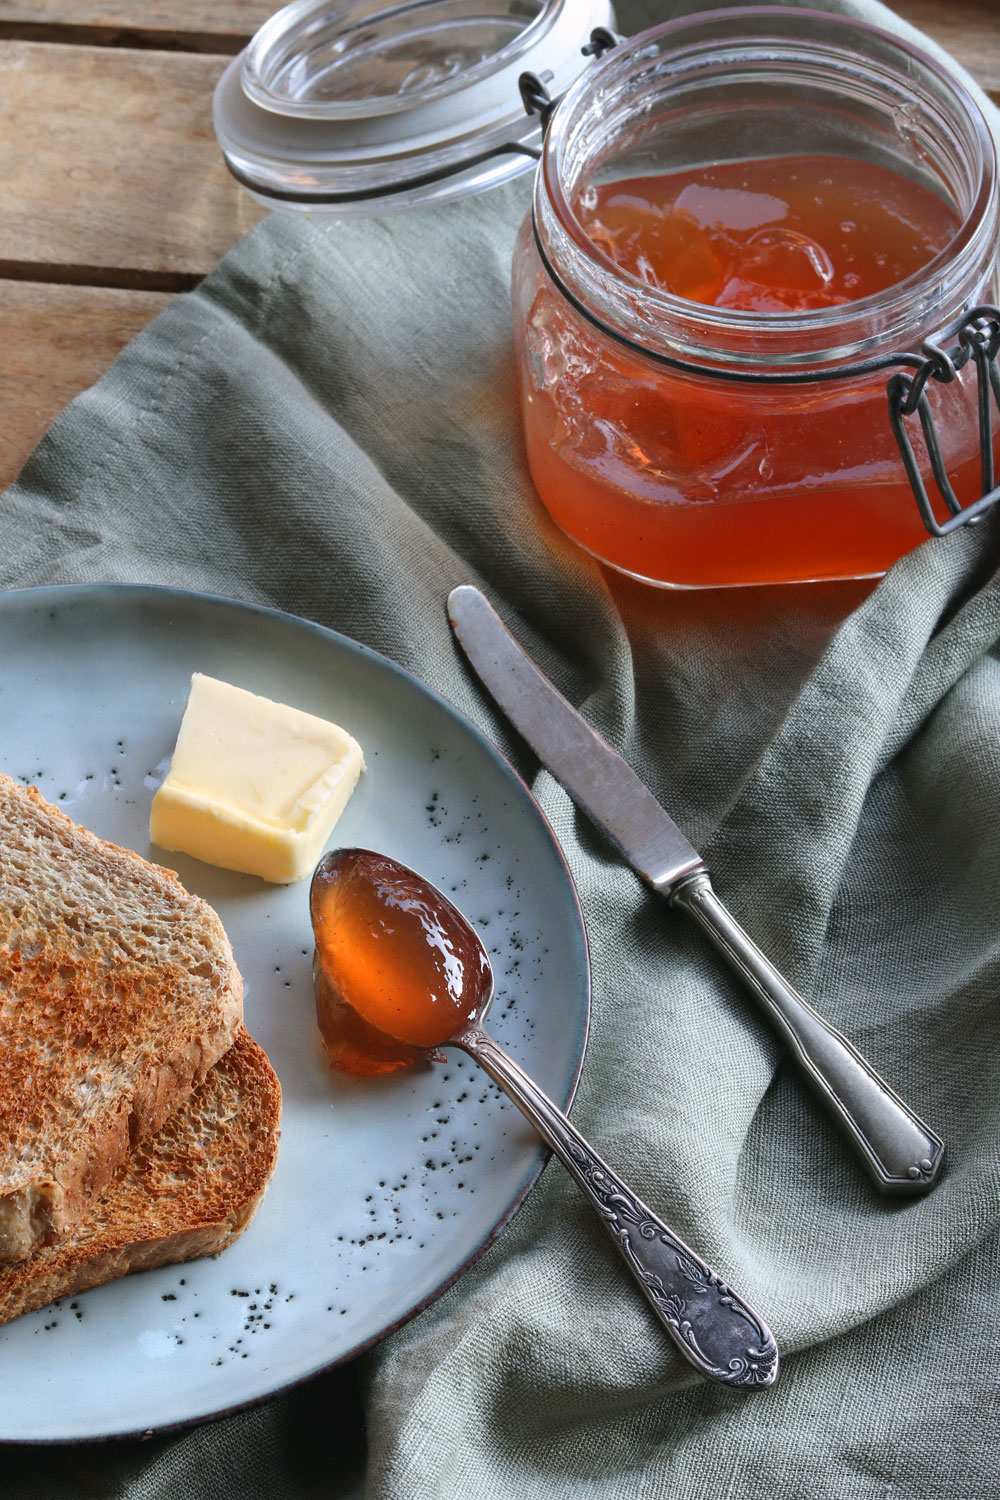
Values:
[(58, 592)]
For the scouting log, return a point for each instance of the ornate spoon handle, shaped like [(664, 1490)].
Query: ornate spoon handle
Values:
[(719, 1333)]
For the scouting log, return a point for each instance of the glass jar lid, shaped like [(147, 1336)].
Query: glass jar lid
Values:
[(362, 106)]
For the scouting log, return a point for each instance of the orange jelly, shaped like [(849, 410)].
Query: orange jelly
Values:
[(398, 970), (782, 235), (694, 481)]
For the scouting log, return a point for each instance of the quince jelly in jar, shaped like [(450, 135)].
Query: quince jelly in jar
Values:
[(689, 337)]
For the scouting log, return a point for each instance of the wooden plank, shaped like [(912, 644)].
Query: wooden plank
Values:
[(187, 25), (57, 340), (112, 174), (203, 16), (968, 29)]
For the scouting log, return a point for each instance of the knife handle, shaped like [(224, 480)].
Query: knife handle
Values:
[(901, 1154)]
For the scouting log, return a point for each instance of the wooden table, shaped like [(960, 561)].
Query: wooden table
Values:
[(114, 192)]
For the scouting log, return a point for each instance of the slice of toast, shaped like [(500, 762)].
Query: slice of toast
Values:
[(190, 1191), (118, 991)]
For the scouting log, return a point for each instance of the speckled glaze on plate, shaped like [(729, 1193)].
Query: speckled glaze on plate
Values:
[(385, 1190)]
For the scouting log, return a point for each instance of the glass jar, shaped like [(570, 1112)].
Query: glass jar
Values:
[(693, 445)]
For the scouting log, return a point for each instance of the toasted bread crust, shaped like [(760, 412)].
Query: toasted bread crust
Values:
[(189, 1192), (118, 992)]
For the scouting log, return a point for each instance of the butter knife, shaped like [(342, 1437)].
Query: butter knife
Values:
[(900, 1153)]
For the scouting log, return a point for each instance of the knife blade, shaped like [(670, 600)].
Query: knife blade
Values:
[(900, 1153)]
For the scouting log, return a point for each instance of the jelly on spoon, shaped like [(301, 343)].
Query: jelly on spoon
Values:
[(400, 972)]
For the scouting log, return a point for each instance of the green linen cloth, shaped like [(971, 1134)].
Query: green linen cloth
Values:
[(329, 425)]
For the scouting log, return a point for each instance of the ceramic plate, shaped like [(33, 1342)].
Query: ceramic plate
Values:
[(385, 1191)]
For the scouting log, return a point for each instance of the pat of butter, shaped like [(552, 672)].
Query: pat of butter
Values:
[(253, 785)]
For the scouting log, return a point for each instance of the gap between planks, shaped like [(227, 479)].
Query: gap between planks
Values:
[(224, 44), (119, 278), (222, 27)]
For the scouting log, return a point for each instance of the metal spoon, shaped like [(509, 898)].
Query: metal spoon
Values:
[(716, 1331)]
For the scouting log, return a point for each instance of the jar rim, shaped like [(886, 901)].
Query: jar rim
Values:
[(812, 336)]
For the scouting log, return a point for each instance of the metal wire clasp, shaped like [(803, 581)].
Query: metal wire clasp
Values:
[(978, 334), (534, 91)]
